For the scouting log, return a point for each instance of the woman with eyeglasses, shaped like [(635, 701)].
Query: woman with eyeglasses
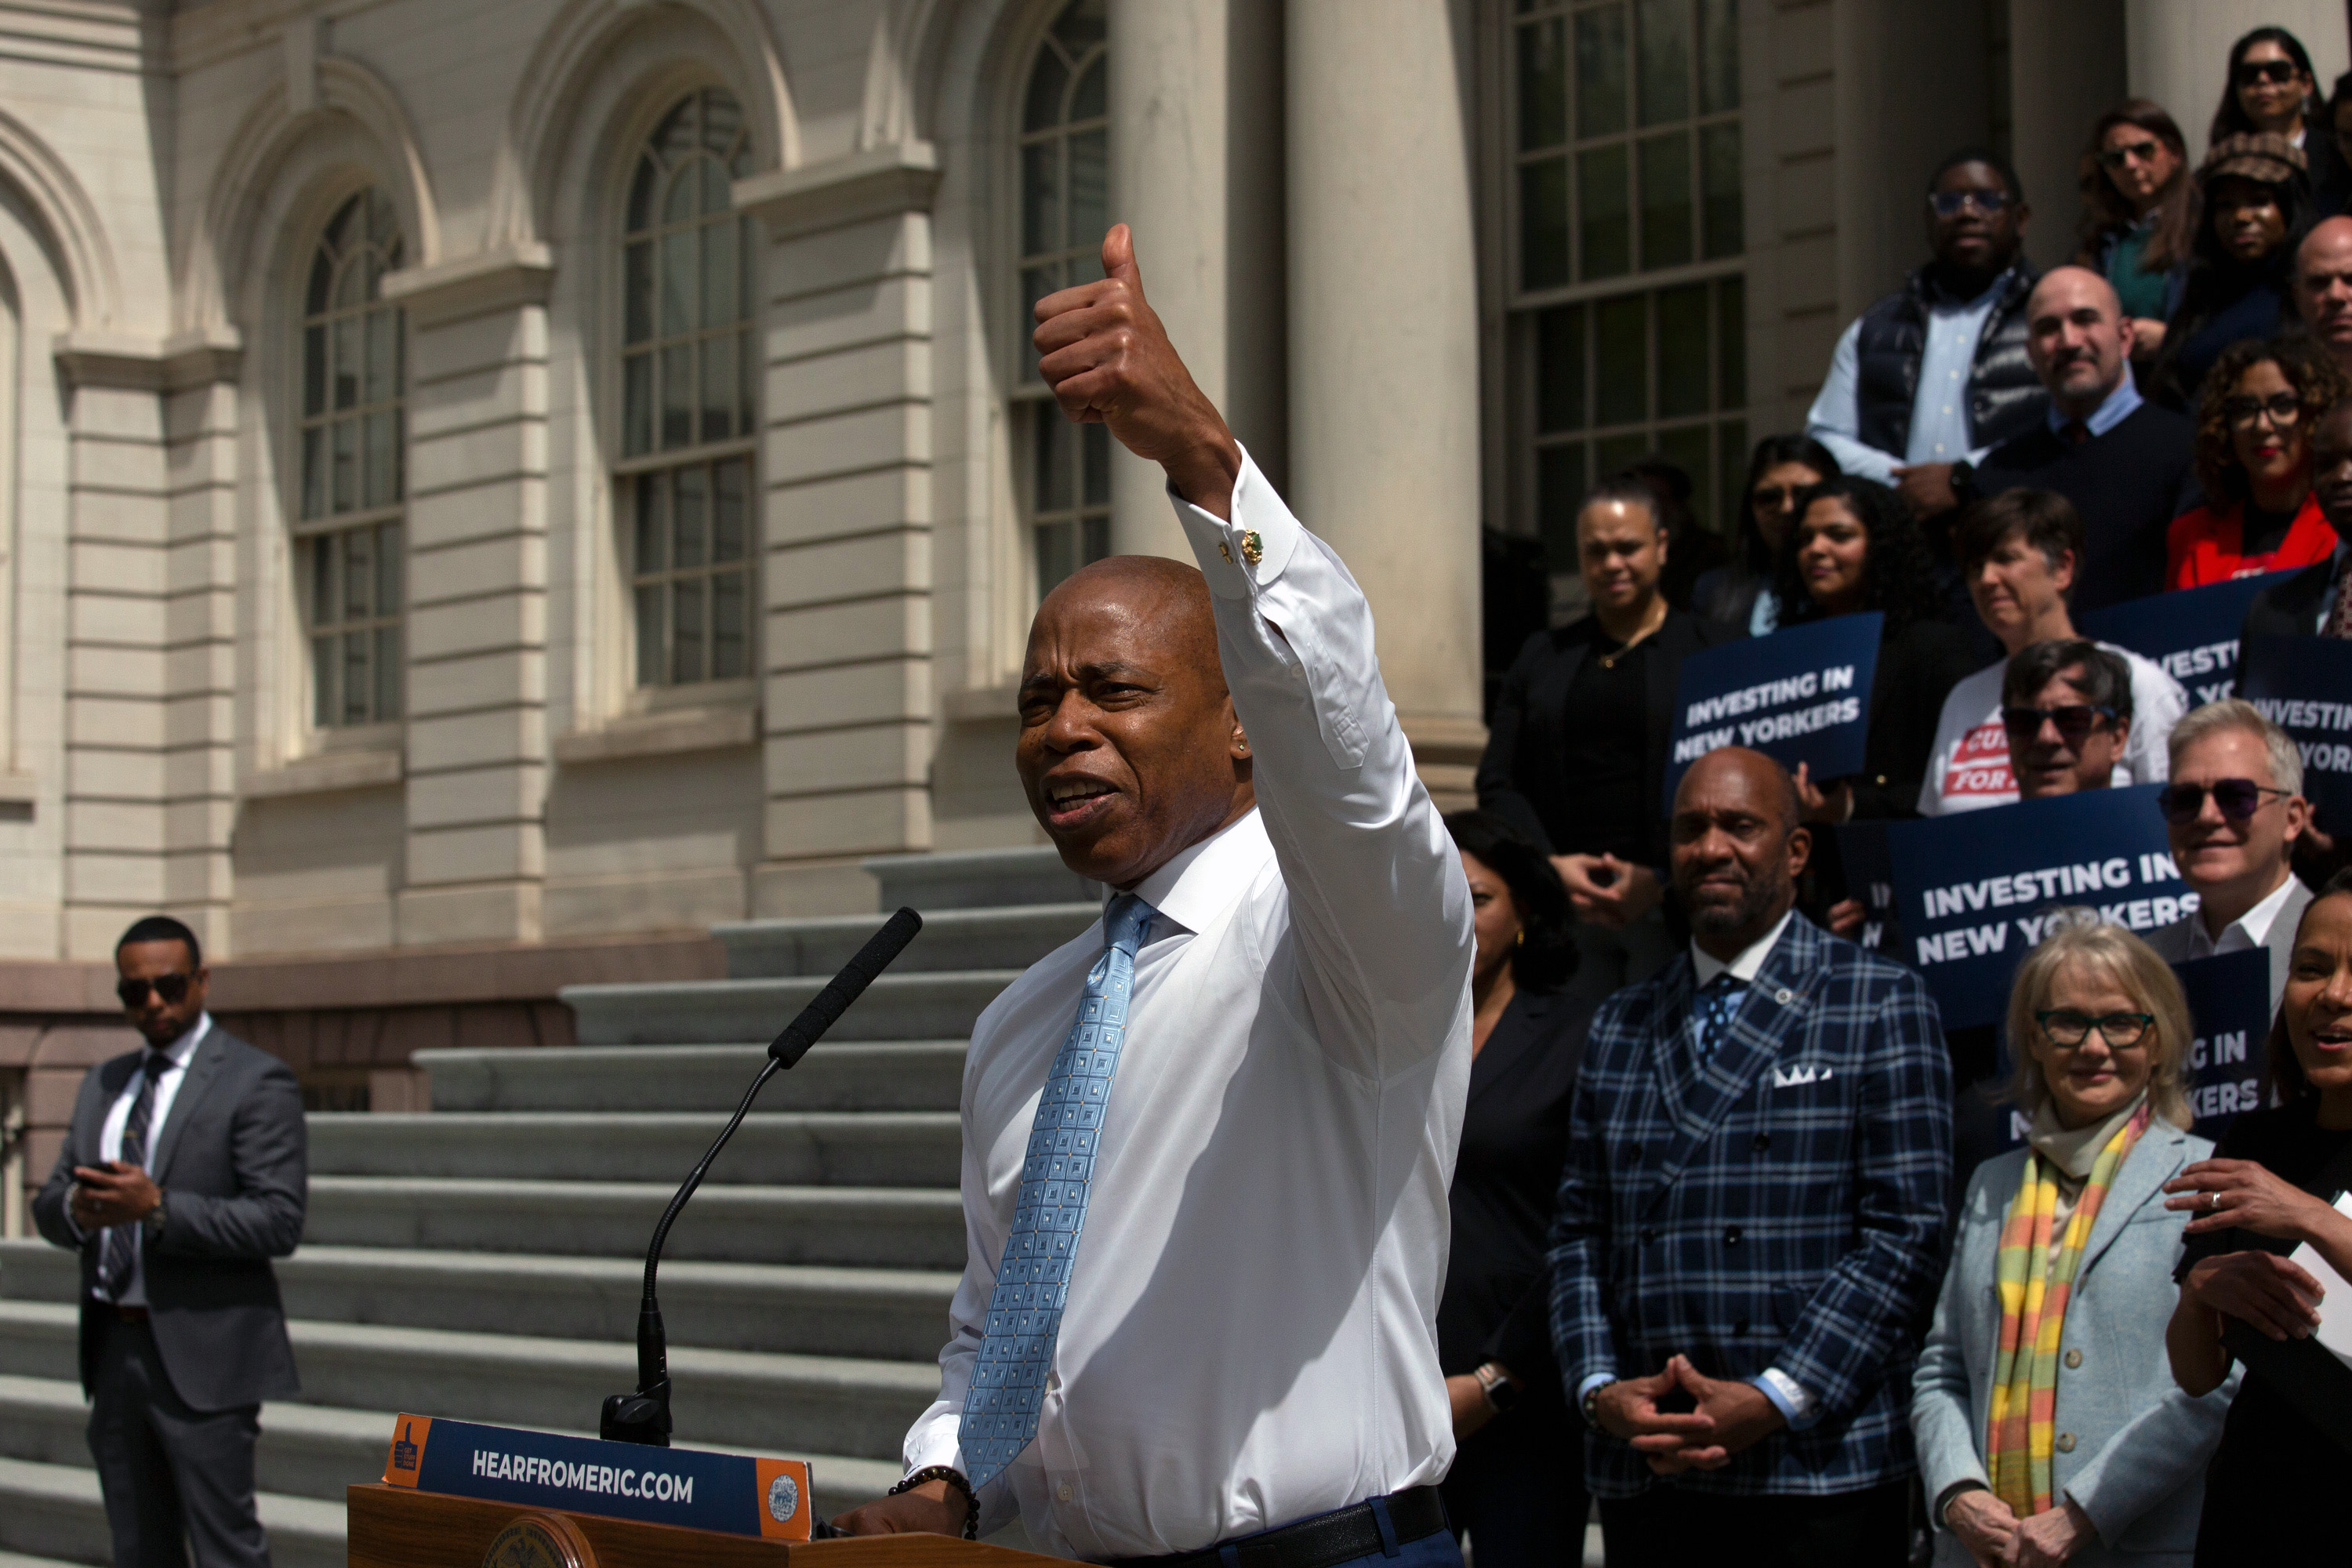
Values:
[(2274, 1491), (1856, 547), (2254, 191), (2139, 215), (2254, 426), (2047, 1426), (2271, 90), (1741, 595)]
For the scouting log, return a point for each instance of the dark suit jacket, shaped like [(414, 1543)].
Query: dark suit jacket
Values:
[(2290, 607), (1524, 774), (1917, 667), (1781, 1203), (232, 1159)]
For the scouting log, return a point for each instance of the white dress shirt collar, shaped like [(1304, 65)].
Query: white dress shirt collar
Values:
[(1746, 964), (2249, 929), (184, 1049), (2112, 410), (1202, 882)]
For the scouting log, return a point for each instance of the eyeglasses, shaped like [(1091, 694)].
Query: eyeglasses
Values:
[(172, 988), (2129, 153), (1775, 498), (2069, 1029), (2242, 410), (2252, 72), (2075, 720), (2237, 799), (1948, 204)]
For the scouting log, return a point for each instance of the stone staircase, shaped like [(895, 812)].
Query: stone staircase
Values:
[(483, 1260)]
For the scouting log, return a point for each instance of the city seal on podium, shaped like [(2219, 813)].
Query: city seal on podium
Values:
[(783, 1499), (540, 1541)]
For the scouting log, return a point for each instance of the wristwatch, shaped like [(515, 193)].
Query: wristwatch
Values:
[(1591, 1405), (1500, 1390), (154, 1222)]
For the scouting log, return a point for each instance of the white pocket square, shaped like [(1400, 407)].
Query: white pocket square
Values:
[(1797, 1077)]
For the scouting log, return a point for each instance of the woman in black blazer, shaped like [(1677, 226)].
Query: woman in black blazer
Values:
[(1518, 1482)]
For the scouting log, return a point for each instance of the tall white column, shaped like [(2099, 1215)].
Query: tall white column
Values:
[(2177, 50), (1384, 345)]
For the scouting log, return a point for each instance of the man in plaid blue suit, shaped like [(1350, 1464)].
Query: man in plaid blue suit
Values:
[(1752, 1214)]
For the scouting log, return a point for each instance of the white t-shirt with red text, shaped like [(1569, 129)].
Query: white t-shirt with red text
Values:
[(1969, 767)]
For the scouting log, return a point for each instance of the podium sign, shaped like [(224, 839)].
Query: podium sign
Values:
[(734, 1494), (1798, 695), (2190, 633)]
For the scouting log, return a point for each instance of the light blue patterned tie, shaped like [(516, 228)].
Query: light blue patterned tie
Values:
[(1718, 999), (1032, 1281)]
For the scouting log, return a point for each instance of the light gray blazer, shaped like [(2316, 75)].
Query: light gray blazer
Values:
[(2134, 1445), (2171, 943)]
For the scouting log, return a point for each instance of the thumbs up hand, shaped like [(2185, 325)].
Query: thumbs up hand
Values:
[(1103, 351)]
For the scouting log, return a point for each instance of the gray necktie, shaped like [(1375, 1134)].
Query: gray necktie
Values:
[(119, 1246)]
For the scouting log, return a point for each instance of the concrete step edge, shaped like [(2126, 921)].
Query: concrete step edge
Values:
[(280, 1514), (920, 1285), (459, 1189)]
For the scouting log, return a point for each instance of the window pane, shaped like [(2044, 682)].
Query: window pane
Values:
[(677, 396), (314, 473), (1615, 454), (1730, 472), (721, 276), (1046, 80), (1057, 555), (676, 282), (359, 571), (356, 681), (347, 464), (1682, 359), (653, 523), (382, 355), (1666, 201), (1090, 99), (1095, 441), (1600, 71), (1691, 449), (692, 521), (1559, 368), (718, 388), (747, 267), (1559, 488), (1052, 489), (637, 404), (1089, 189), (387, 672), (1543, 84), (1731, 343), (638, 293), (1718, 55), (314, 370), (642, 186), (686, 631), (1543, 224), (653, 646), (389, 561), (728, 509), (747, 385), (1719, 152), (347, 362), (1662, 45), (323, 599), (1094, 539), (730, 626), (382, 451), (1082, 25), (679, 203), (1041, 197), (322, 279), (1621, 372), (721, 121), (1606, 239), (711, 176)]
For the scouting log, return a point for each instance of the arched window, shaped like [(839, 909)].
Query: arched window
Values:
[(1065, 183), (688, 398), (354, 442)]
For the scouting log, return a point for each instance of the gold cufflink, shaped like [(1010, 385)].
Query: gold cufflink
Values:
[(1253, 548), (1223, 550)]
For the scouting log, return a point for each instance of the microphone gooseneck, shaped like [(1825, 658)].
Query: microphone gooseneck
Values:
[(644, 1416)]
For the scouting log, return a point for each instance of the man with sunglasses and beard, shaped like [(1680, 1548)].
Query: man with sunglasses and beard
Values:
[(182, 1174), (2233, 811)]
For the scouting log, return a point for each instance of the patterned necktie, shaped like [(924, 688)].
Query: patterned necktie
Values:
[(1711, 1013), (2339, 619), (119, 1246), (1032, 1281)]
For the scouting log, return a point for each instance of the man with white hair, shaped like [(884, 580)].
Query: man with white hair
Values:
[(2234, 809)]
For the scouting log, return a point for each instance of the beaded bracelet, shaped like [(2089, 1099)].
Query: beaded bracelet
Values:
[(955, 1478)]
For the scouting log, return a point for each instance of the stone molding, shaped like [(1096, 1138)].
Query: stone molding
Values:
[(878, 182), (124, 361), (488, 280), (671, 734), (327, 773)]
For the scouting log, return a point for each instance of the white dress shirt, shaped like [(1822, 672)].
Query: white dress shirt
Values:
[(1250, 1336), (1940, 429), (2249, 929), (110, 1140), (2119, 405)]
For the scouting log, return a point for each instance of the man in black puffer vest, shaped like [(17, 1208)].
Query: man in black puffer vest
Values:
[(1936, 375)]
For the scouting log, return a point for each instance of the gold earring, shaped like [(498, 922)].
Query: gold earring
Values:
[(1520, 940)]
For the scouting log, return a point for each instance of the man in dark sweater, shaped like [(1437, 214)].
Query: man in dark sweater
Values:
[(2126, 465)]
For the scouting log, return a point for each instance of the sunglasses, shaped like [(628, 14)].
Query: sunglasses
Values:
[(2237, 799), (1949, 204), (172, 988), (2130, 153), (2254, 72), (2069, 1029), (2075, 720), (2243, 409)]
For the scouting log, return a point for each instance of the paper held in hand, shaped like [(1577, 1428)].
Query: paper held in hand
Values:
[(2335, 1307)]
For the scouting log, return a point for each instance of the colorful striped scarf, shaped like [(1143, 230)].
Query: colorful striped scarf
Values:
[(2032, 1316)]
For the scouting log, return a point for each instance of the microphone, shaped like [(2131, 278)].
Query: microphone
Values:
[(644, 1416)]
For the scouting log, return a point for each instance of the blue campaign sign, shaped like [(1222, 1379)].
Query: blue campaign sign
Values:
[(1975, 891), (1870, 881), (1798, 695), (2192, 634), (2305, 687), (2230, 998)]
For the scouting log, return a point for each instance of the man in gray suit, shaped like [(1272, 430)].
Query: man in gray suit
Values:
[(2234, 808), (182, 1174)]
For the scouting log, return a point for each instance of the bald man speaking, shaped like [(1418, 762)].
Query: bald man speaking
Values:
[(1206, 1145)]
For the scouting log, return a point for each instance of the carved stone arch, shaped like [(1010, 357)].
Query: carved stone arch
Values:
[(358, 122), (730, 40), (69, 227)]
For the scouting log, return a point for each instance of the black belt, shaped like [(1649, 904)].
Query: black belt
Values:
[(1322, 1541)]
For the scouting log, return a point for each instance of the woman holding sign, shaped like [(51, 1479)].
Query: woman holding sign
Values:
[(2275, 1485), (1856, 547), (2047, 1427)]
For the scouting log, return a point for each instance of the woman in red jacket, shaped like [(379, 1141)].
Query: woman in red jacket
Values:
[(2260, 404)]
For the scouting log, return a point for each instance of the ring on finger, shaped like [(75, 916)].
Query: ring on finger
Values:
[(2212, 1202)]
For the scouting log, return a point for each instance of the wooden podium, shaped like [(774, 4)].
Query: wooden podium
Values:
[(394, 1527)]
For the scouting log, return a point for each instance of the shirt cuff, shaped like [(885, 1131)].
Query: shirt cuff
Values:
[(1788, 1395), (1251, 550), (1598, 1380)]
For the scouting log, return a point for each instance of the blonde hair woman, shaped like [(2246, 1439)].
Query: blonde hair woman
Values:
[(2048, 1424)]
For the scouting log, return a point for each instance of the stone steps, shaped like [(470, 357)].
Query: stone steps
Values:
[(950, 939), (55, 1511), (883, 1227), (913, 1006), (884, 1149), (979, 879), (913, 1075)]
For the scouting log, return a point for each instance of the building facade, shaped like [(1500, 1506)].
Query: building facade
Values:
[(485, 490)]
